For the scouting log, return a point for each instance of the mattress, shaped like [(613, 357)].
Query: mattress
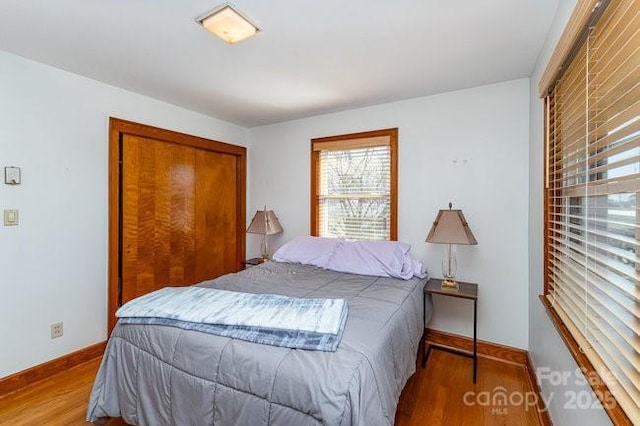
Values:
[(159, 375)]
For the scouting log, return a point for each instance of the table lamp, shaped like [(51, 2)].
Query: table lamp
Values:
[(264, 222), (450, 227)]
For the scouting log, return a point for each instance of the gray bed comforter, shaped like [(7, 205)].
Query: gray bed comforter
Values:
[(158, 375)]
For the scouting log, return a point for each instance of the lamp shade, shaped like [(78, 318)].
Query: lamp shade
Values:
[(265, 222), (450, 227)]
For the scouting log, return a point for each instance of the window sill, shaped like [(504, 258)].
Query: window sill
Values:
[(616, 414)]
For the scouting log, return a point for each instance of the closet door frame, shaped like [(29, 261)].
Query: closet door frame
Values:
[(117, 129)]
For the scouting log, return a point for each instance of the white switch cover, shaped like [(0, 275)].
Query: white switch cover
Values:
[(10, 217)]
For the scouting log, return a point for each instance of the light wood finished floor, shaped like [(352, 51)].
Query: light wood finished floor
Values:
[(435, 395)]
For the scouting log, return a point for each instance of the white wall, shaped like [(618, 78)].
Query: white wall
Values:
[(547, 350), (486, 126), (53, 266)]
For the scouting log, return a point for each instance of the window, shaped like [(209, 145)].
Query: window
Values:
[(354, 184), (592, 223)]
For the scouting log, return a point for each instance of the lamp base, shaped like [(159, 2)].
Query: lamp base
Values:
[(448, 284)]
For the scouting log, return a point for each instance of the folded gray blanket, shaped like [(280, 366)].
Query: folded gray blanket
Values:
[(301, 323)]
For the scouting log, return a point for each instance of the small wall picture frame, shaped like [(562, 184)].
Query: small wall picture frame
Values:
[(12, 175)]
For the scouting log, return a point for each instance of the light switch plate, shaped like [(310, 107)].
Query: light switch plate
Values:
[(12, 175), (10, 217)]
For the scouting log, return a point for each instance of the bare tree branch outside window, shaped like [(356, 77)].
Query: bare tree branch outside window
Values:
[(355, 193)]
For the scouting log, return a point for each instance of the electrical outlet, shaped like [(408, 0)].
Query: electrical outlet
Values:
[(56, 330)]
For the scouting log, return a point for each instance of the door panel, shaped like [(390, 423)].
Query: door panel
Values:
[(215, 214), (176, 210), (182, 198), (179, 215)]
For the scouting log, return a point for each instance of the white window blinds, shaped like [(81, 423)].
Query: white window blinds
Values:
[(354, 197), (354, 188), (593, 218)]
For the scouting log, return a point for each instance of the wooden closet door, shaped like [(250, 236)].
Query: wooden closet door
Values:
[(179, 215), (215, 218)]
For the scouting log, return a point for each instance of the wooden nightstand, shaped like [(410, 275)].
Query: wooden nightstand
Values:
[(466, 291), (254, 261)]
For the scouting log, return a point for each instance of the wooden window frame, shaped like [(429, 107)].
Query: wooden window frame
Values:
[(343, 142), (584, 15)]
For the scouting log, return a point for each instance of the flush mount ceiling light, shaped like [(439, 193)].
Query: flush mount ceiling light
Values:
[(228, 24)]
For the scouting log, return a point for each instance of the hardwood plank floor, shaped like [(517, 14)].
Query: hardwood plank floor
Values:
[(443, 393), (435, 395), (59, 400)]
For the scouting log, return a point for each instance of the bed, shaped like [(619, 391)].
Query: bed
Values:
[(158, 375)]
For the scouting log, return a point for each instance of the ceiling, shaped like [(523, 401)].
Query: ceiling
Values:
[(311, 57)]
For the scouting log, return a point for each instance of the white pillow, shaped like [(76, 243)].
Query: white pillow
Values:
[(378, 258), (308, 250)]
